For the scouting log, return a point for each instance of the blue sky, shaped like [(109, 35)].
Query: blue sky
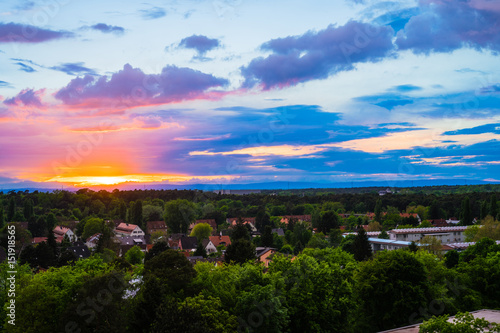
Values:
[(238, 91)]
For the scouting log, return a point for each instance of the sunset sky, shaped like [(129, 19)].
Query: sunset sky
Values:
[(239, 91)]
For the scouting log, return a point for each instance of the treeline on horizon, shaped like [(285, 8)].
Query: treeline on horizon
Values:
[(21, 206)]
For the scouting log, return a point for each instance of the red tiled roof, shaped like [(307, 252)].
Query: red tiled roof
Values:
[(126, 227), (37, 240), (234, 220), (427, 230), (217, 240), (300, 218), (60, 230)]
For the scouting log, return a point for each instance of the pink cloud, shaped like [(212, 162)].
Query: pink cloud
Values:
[(27, 97), (132, 87)]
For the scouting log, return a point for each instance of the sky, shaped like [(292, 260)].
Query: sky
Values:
[(238, 91)]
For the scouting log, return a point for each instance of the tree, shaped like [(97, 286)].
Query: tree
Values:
[(390, 288), (179, 214), (240, 231), (378, 211), (134, 255), (262, 219), (51, 221), (466, 215), (434, 210), (361, 246), (157, 248), (92, 227), (484, 210), (451, 258), (240, 251), (462, 323), (11, 211), (493, 206), (2, 217), (200, 251), (152, 213), (172, 269), (328, 220), (28, 209), (431, 244), (318, 241), (383, 235), (202, 231), (136, 213), (267, 236)]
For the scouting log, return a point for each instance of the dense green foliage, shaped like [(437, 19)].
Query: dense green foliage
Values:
[(316, 282)]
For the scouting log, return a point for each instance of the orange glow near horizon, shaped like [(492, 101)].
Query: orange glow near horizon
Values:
[(80, 181)]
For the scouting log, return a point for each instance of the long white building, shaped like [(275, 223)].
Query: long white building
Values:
[(444, 234)]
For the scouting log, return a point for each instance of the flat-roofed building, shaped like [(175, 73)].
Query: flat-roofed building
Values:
[(444, 234)]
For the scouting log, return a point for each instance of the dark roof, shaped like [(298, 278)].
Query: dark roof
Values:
[(262, 250), (188, 242), (156, 225), (80, 251), (131, 240)]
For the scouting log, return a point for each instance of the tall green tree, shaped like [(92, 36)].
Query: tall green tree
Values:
[(2, 217), (267, 236), (179, 214), (28, 209), (493, 206), (466, 214), (328, 220), (391, 289), (201, 231), (240, 251), (262, 219), (11, 211), (378, 210), (361, 246), (136, 213), (134, 255)]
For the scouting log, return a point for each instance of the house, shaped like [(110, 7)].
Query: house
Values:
[(188, 243), (444, 234), (38, 240), (264, 254), (92, 241), (174, 244), (60, 232), (80, 250), (70, 224), (245, 220), (210, 222), (380, 244), (438, 222), (220, 240), (209, 246), (131, 240), (155, 226), (299, 218), (453, 220), (127, 229)]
